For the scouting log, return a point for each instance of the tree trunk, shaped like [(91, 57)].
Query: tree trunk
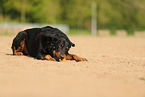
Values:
[(23, 12)]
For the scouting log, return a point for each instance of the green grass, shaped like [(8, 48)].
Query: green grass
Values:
[(142, 79), (112, 32), (130, 32), (79, 32)]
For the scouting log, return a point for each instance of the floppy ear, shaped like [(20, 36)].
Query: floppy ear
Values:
[(45, 39), (72, 44), (49, 39), (54, 39)]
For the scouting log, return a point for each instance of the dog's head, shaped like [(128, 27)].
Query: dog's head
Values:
[(57, 47), (61, 48)]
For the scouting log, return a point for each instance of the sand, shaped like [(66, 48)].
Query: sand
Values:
[(115, 68)]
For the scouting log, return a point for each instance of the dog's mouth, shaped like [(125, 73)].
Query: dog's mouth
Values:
[(58, 57)]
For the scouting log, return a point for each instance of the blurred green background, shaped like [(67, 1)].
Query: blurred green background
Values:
[(126, 15)]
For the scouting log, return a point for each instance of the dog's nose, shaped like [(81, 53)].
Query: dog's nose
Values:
[(62, 56)]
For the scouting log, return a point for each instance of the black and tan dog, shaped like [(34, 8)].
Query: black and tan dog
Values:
[(44, 43)]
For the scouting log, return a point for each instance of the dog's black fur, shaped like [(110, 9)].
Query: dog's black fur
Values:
[(39, 42)]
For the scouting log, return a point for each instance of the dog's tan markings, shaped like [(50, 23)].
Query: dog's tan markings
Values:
[(48, 57), (57, 54), (16, 52), (25, 48), (62, 60), (75, 57), (20, 49)]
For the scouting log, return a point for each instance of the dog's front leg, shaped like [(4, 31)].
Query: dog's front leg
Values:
[(42, 56), (39, 54), (48, 57), (75, 57)]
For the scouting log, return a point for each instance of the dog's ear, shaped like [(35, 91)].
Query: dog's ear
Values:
[(54, 39), (49, 39), (72, 44)]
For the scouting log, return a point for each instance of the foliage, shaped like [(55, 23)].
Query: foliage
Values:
[(111, 14)]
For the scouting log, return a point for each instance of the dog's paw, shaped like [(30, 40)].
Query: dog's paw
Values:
[(48, 57), (62, 60), (51, 59), (18, 53), (81, 59)]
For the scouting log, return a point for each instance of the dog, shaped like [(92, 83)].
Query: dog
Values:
[(46, 43)]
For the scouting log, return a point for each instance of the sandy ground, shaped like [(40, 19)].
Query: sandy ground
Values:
[(116, 68)]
